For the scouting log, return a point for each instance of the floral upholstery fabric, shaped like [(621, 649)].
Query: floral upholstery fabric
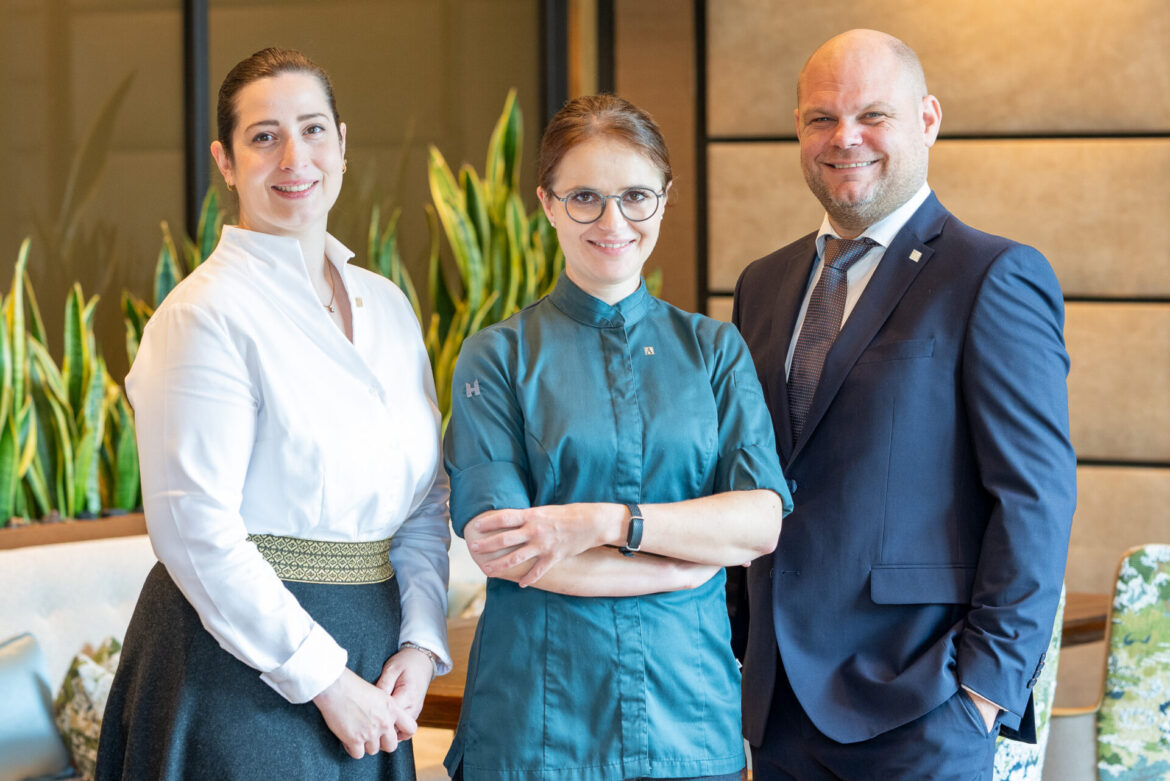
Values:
[(82, 700), (1016, 761), (1133, 723)]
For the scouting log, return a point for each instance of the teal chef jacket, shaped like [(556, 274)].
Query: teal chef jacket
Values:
[(574, 400)]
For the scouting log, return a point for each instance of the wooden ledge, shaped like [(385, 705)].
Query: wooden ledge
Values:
[(72, 531)]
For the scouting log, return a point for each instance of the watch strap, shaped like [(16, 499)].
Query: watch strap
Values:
[(634, 535)]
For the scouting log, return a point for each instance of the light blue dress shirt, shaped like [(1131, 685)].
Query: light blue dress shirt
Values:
[(574, 400)]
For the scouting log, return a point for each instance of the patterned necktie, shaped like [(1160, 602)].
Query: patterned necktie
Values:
[(822, 322)]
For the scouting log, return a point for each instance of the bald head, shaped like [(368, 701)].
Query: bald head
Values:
[(865, 125), (868, 46)]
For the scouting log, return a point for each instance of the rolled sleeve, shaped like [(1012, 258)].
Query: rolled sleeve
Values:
[(488, 486), (310, 670)]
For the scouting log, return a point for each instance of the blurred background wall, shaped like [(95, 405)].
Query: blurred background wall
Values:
[(1056, 132), (407, 73)]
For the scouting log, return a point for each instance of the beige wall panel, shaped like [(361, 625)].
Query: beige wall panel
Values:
[(1088, 205), (1119, 384), (1117, 508), (757, 202), (351, 41), (104, 47), (660, 32), (494, 47), (719, 307), (1095, 208), (1037, 66), (435, 70)]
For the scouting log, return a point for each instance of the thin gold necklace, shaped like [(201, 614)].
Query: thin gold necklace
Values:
[(332, 290)]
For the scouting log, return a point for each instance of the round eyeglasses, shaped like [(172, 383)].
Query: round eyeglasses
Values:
[(636, 204)]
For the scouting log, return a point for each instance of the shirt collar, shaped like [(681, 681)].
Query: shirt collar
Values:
[(884, 230), (586, 309), (281, 250)]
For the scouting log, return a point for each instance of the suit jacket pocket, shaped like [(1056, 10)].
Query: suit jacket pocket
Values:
[(921, 584), (898, 351)]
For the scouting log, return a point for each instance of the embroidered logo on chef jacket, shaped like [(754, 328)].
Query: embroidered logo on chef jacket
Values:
[(648, 350), (472, 388)]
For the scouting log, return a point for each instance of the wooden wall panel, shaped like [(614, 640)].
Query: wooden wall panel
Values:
[(1042, 66), (1117, 508), (757, 201), (1088, 205), (657, 37), (719, 307), (1119, 407)]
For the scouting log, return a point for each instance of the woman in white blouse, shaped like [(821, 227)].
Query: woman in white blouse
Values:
[(289, 441)]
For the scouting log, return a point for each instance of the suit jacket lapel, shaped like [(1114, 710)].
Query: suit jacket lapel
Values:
[(889, 283), (790, 295)]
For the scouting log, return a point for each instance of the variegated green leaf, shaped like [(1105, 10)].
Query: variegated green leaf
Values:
[(9, 460), (76, 348), (14, 315), (210, 225), (167, 272)]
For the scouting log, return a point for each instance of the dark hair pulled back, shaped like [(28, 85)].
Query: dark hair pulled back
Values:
[(590, 116), (264, 64)]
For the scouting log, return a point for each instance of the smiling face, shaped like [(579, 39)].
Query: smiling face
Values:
[(865, 125), (604, 258), (287, 155)]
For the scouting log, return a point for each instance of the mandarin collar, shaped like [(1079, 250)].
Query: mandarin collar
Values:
[(283, 250), (587, 310)]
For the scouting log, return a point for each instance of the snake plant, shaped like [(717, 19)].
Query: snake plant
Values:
[(504, 256)]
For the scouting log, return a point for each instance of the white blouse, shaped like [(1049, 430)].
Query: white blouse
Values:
[(256, 415)]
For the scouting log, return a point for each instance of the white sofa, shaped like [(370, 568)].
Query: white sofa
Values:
[(65, 595), (72, 594)]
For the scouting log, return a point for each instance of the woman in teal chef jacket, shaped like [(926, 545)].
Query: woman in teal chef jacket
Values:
[(609, 454)]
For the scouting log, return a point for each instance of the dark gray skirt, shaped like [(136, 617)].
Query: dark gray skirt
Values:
[(183, 708)]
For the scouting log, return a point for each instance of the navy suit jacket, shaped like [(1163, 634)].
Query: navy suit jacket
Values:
[(934, 484)]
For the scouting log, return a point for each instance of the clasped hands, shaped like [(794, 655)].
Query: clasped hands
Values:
[(372, 717), (502, 540)]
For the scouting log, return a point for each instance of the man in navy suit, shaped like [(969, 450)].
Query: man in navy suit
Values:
[(923, 423)]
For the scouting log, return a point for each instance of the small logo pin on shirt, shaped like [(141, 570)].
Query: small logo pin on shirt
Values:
[(648, 350), (472, 388), (915, 255), (358, 302)]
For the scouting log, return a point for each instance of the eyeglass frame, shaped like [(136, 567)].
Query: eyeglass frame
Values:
[(605, 202)]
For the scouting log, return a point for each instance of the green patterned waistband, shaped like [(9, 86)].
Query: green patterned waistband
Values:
[(319, 561)]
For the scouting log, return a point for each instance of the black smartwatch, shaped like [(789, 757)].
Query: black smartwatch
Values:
[(634, 535)]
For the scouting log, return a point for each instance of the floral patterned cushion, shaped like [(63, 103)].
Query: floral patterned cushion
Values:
[(82, 700), (1133, 723), (1016, 761)]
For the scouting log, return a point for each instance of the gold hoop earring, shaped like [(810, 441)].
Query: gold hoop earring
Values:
[(231, 187), (344, 165)]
